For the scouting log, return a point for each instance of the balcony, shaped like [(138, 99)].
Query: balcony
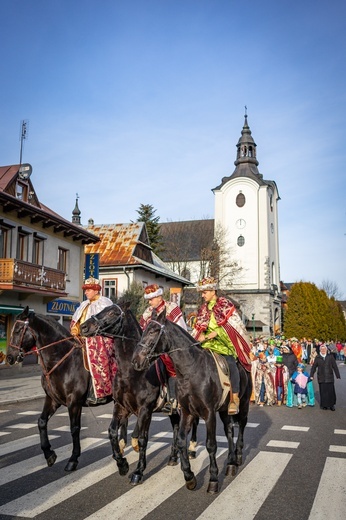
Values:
[(26, 277)]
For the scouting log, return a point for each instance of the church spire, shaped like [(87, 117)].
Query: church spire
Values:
[(246, 147), (76, 213)]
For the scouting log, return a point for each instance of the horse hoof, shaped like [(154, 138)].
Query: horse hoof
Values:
[(136, 479), (71, 466), (134, 444), (51, 460), (191, 484), (231, 469), (213, 487), (192, 454), (173, 461), (239, 460), (123, 469)]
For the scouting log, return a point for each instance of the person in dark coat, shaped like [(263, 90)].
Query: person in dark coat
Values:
[(289, 359), (326, 367)]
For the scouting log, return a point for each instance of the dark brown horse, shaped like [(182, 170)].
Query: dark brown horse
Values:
[(133, 392), (64, 379), (199, 394)]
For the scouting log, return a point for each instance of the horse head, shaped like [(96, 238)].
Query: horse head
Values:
[(107, 322), (151, 345), (22, 338)]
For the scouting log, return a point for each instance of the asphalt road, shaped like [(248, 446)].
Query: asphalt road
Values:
[(294, 468)]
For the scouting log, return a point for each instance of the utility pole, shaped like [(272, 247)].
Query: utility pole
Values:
[(23, 135)]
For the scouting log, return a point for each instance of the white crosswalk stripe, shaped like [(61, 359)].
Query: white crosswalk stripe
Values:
[(33, 504), (265, 467), (158, 486), (29, 466), (147, 498)]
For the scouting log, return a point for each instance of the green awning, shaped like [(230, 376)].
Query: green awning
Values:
[(10, 309)]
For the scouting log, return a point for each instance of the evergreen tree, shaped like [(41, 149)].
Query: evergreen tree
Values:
[(146, 214), (134, 297), (311, 313)]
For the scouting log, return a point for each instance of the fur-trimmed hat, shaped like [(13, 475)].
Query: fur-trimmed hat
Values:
[(151, 291), (92, 283), (207, 284)]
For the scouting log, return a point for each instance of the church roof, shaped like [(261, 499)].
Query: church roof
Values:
[(185, 240)]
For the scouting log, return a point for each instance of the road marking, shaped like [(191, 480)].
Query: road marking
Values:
[(4, 433), (20, 444), (330, 499), (67, 428), (3, 411), (339, 449), (283, 444), (29, 466), (34, 503), (296, 428), (105, 416), (252, 425), (340, 432), (22, 426), (247, 492), (140, 501), (30, 412)]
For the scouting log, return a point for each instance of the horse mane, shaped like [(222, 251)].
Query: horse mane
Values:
[(125, 306), (46, 322)]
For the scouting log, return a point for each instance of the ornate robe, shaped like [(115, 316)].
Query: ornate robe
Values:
[(100, 350)]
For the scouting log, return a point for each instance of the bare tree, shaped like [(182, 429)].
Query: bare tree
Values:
[(195, 250), (331, 289)]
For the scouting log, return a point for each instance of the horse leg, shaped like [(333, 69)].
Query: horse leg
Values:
[(134, 438), (49, 408), (118, 421), (75, 413), (193, 440), (144, 419), (228, 426), (211, 445), (173, 458), (184, 429)]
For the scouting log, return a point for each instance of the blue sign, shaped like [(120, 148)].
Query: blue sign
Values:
[(66, 307), (92, 265)]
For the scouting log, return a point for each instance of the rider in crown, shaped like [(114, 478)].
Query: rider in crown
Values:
[(154, 295), (219, 327)]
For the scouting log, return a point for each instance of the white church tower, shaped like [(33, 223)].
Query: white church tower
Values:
[(246, 211)]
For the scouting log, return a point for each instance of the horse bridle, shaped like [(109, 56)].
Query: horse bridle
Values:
[(99, 324), (150, 355), (21, 353)]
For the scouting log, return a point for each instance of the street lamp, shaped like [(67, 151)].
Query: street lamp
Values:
[(253, 325)]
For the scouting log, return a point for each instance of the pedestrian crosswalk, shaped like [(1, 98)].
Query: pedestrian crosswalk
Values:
[(268, 464)]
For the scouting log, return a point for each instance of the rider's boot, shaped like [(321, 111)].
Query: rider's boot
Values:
[(171, 405), (233, 406), (91, 399)]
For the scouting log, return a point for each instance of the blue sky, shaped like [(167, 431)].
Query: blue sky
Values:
[(142, 101)]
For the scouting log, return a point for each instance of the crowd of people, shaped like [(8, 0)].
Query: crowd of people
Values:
[(280, 375), (278, 365)]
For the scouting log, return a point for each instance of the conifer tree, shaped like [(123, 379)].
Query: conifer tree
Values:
[(146, 214)]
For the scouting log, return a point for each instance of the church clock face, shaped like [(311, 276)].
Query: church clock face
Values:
[(240, 223)]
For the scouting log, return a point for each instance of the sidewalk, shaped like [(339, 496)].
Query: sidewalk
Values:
[(23, 383), (20, 383)]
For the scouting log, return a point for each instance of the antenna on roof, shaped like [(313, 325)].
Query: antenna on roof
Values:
[(24, 124)]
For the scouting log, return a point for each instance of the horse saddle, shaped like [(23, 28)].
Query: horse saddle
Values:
[(224, 375)]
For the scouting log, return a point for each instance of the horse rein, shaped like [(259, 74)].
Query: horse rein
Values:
[(151, 355), (22, 354), (99, 324)]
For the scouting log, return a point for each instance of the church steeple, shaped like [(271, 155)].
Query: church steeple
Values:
[(246, 147), (76, 213)]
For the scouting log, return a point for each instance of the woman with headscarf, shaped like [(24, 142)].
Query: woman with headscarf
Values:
[(326, 367)]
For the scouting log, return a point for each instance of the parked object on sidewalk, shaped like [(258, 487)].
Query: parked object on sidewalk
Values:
[(65, 380)]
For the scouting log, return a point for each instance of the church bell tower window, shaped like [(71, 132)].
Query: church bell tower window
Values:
[(240, 200)]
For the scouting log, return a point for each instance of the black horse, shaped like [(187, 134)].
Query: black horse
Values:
[(64, 378), (199, 394), (133, 392)]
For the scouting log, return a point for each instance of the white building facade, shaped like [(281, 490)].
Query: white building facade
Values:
[(246, 209)]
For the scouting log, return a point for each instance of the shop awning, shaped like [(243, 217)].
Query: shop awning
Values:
[(10, 309)]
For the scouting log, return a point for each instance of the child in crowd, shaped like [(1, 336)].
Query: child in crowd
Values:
[(281, 378), (300, 379)]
